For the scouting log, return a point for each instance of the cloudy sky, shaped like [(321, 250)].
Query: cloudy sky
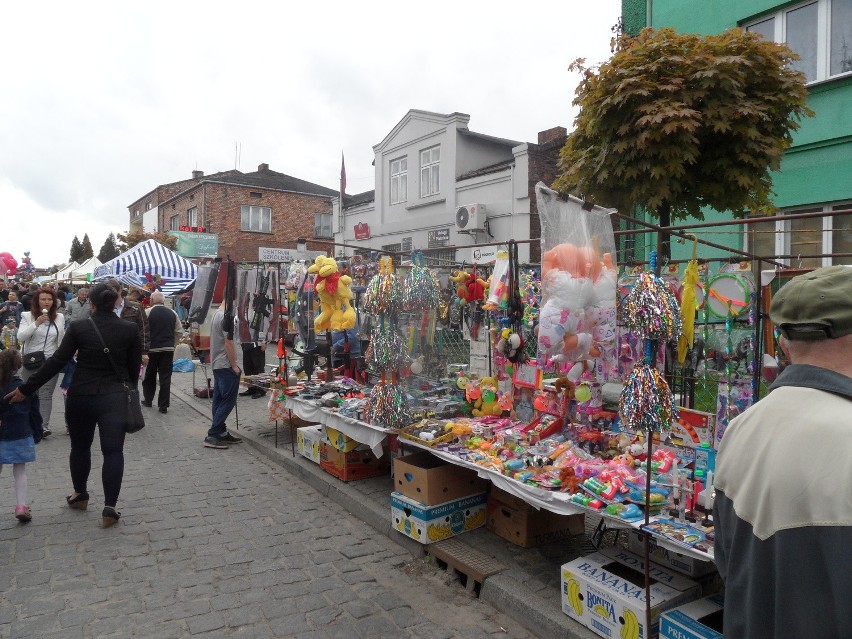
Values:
[(103, 101)]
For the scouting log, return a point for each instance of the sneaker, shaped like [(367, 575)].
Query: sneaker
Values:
[(146, 404), (23, 514), (47, 432), (164, 409), (214, 442), (230, 439)]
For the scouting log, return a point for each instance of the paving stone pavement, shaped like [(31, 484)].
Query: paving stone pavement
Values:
[(213, 544)]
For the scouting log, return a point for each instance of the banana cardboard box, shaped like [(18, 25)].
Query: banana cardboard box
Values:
[(308, 440), (428, 524), (700, 619), (605, 592)]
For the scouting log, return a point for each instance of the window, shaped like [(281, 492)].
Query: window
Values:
[(322, 225), (430, 164), (393, 248), (256, 218), (174, 223), (445, 258), (820, 31), (805, 237), (148, 206), (192, 216), (406, 244), (399, 180)]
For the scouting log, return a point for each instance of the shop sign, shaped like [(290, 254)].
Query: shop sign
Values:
[(362, 231), (484, 255), (439, 235), (194, 244), (265, 254), (192, 229)]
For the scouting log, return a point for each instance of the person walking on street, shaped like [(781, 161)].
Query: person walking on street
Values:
[(21, 431), (40, 334), (166, 330), (782, 512), (226, 380), (11, 309), (132, 311), (79, 307), (97, 396)]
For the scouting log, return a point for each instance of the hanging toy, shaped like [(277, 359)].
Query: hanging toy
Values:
[(646, 401), (422, 292), (461, 278), (652, 309)]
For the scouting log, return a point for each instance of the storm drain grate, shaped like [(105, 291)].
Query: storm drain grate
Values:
[(470, 565)]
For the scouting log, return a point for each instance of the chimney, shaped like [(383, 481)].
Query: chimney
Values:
[(197, 175), (556, 134), (263, 167)]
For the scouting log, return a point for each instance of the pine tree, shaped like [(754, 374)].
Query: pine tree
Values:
[(76, 254), (88, 252), (109, 250)]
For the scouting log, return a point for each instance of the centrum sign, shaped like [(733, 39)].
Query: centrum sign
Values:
[(265, 254)]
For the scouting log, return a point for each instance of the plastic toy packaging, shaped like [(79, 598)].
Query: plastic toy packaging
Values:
[(296, 273), (577, 319), (498, 292)]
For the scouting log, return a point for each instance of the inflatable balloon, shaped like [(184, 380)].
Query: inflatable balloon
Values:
[(11, 264)]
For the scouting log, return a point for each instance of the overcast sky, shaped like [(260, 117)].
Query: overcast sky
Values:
[(103, 101)]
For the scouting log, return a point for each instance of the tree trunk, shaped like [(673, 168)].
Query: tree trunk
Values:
[(665, 252)]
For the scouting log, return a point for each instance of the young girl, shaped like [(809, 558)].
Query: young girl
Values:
[(20, 430)]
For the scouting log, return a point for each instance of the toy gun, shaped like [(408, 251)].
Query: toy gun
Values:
[(261, 305), (230, 296)]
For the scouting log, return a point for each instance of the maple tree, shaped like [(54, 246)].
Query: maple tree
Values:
[(674, 123)]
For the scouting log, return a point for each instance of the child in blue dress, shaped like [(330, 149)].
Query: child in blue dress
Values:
[(20, 430)]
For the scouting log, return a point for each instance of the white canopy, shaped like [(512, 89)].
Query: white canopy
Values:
[(65, 273), (86, 268)]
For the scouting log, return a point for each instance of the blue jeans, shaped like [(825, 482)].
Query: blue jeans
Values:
[(226, 383)]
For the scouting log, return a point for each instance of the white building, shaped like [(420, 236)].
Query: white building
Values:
[(441, 188)]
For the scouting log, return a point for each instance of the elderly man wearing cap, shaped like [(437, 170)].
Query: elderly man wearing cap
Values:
[(783, 509)]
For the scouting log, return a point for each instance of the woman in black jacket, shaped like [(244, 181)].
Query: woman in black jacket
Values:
[(96, 396)]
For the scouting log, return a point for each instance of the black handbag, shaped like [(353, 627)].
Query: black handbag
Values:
[(33, 361), (135, 420)]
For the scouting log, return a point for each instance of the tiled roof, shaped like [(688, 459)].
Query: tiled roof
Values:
[(485, 170), (268, 179), (359, 198)]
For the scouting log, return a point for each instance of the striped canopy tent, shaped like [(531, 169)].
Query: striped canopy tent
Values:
[(148, 264)]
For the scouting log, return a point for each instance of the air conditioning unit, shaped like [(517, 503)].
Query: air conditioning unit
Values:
[(470, 217)]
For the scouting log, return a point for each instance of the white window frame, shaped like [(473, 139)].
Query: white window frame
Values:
[(192, 216), (430, 171), (323, 225), (255, 219), (783, 231), (823, 48), (399, 180), (174, 223)]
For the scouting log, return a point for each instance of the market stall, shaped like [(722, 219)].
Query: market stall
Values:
[(149, 265)]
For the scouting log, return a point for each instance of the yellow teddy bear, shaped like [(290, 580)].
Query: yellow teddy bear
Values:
[(487, 403), (336, 312)]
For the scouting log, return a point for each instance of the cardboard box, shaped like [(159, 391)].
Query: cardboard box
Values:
[(606, 593), (700, 619), (308, 440), (524, 525), (693, 428), (685, 564), (429, 524), (430, 480), (356, 464), (341, 442)]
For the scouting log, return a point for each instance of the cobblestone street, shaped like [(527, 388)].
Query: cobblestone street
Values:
[(211, 543)]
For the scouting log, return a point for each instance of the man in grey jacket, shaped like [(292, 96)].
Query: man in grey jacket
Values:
[(783, 511), (78, 308)]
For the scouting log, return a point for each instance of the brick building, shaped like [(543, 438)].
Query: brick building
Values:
[(245, 210)]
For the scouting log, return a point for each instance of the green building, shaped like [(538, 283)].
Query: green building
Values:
[(816, 173)]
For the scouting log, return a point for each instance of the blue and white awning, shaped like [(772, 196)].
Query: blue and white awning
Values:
[(149, 259)]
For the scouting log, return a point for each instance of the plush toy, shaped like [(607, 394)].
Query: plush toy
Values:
[(487, 403), (460, 279), (336, 312)]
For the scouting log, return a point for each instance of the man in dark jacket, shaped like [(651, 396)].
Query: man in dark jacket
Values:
[(166, 330), (133, 312)]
